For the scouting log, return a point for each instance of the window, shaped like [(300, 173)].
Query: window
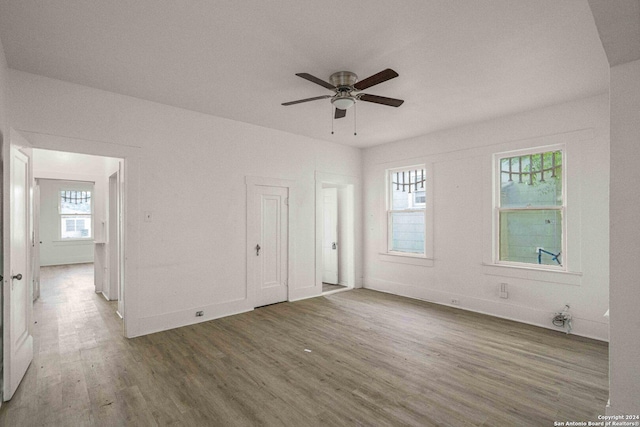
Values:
[(406, 210), (530, 208), (75, 214)]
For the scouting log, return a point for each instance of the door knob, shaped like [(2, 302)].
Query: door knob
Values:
[(333, 245), (17, 276), (258, 250)]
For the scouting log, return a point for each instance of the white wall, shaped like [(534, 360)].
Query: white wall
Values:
[(624, 357), (191, 177), (461, 162), (53, 250)]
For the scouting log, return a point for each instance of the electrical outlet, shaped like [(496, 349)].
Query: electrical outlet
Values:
[(504, 293), (199, 313), (455, 301)]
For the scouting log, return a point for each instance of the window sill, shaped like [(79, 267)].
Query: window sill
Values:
[(419, 260), (532, 273)]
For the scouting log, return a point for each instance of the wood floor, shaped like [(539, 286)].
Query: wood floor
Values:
[(374, 359)]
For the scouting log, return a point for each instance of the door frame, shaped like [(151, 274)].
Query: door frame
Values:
[(130, 249), (114, 228), (350, 183), (252, 182), (35, 237)]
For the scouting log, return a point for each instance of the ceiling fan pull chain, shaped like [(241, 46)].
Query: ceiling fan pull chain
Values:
[(332, 118), (354, 119)]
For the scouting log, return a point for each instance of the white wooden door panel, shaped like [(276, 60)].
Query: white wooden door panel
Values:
[(270, 241), (270, 250), (17, 292)]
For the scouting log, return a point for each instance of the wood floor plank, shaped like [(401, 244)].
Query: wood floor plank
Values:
[(353, 358)]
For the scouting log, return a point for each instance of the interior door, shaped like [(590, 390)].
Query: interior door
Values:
[(330, 235), (270, 252), (17, 292)]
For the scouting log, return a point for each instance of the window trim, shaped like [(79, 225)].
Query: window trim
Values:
[(427, 210), (497, 209), (76, 187)]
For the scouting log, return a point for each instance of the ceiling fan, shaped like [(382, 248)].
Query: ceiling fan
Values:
[(346, 86)]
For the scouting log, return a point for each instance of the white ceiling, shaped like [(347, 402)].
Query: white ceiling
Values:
[(460, 61), (618, 23), (47, 161)]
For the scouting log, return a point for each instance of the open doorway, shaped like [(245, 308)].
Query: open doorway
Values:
[(21, 233), (77, 216), (334, 233), (333, 236)]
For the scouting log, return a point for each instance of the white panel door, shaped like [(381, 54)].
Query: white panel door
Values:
[(270, 252), (17, 292), (330, 235)]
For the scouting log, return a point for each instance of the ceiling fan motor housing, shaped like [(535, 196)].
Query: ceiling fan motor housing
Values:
[(343, 80)]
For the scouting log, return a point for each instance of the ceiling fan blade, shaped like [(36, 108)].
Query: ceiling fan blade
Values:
[(339, 113), (307, 100), (316, 80), (392, 102), (378, 78)]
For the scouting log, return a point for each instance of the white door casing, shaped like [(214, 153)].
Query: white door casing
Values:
[(330, 235), (113, 263), (17, 292), (130, 168), (120, 241), (35, 243), (267, 244)]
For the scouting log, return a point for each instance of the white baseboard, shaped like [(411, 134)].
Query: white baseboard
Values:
[(177, 319), (583, 327), (304, 293)]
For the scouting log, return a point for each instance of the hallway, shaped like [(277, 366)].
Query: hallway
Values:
[(77, 338)]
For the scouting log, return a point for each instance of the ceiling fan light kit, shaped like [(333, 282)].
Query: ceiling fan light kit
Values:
[(346, 88), (343, 102)]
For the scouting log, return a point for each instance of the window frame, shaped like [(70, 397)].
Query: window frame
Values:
[(497, 209), (389, 210), (61, 216)]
